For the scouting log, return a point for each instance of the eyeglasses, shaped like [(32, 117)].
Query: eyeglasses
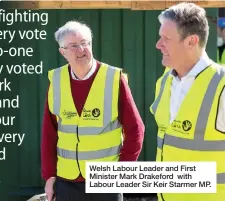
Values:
[(75, 46)]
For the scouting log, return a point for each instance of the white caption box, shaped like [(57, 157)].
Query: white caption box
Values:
[(151, 177)]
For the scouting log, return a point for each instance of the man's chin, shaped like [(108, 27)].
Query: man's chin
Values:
[(82, 62), (166, 63)]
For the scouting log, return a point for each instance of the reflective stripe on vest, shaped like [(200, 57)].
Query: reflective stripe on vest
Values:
[(88, 155), (198, 142), (156, 103), (75, 129)]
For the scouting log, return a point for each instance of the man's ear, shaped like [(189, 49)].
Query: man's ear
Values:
[(193, 40), (62, 52)]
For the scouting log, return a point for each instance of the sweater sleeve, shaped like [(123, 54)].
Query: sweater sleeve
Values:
[(48, 144), (132, 123)]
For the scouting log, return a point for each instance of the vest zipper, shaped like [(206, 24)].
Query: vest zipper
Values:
[(162, 196), (162, 149), (161, 161), (77, 152)]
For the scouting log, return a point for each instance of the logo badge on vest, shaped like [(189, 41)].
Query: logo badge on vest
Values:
[(91, 114), (186, 125), (95, 112), (69, 114), (86, 113), (183, 127)]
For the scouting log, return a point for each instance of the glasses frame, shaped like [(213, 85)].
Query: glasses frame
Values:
[(74, 46)]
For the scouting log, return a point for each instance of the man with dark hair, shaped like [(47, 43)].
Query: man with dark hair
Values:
[(189, 105)]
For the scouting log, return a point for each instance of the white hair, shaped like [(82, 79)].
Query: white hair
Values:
[(72, 27)]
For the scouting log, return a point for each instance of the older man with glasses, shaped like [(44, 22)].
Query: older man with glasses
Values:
[(90, 115)]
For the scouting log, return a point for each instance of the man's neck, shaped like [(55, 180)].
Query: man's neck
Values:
[(186, 66), (81, 71)]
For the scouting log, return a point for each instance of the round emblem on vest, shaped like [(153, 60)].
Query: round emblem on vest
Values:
[(96, 112), (186, 125)]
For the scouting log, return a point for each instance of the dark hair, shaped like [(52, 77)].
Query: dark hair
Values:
[(190, 19)]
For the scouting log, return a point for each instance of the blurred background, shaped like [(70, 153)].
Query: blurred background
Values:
[(221, 36)]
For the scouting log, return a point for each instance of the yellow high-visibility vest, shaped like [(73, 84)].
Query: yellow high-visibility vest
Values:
[(221, 60), (94, 136), (218, 56), (192, 136)]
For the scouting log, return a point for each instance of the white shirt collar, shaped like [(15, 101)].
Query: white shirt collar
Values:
[(202, 64), (90, 73)]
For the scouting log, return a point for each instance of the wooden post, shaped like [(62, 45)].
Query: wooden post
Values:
[(111, 4)]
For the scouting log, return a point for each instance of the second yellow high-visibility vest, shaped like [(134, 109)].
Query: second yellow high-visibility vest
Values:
[(221, 60), (97, 134), (192, 136)]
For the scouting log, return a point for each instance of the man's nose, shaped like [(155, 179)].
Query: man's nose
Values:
[(158, 44), (80, 48)]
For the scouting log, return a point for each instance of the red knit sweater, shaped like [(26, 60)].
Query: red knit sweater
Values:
[(128, 116)]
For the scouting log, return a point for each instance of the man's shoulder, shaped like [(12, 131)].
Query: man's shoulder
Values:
[(124, 75), (106, 65), (166, 73), (218, 68), (59, 68), (56, 71)]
